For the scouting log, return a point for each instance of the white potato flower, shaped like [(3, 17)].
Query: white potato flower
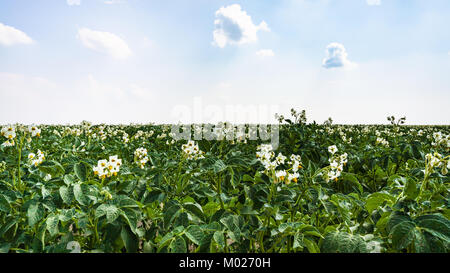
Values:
[(332, 149)]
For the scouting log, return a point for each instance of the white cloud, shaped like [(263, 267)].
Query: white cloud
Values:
[(105, 42), (73, 2), (336, 56), (265, 53), (233, 26), (373, 2), (11, 36)]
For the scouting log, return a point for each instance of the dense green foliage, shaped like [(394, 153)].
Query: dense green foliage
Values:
[(389, 197)]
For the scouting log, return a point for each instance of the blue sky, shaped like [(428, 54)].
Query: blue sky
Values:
[(123, 61)]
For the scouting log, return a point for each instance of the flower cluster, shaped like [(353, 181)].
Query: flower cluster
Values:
[(436, 160), (163, 135), (140, 157), (101, 133), (125, 137), (80, 148), (143, 135), (86, 124), (265, 154), (107, 168), (343, 136), (34, 131), (9, 132), (337, 163), (382, 141), (191, 150), (36, 159), (267, 157), (440, 139)]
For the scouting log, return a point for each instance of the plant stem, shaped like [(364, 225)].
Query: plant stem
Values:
[(219, 192), (19, 180)]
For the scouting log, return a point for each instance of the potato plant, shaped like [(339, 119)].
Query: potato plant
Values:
[(326, 188)]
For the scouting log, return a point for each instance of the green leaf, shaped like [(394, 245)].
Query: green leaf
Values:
[(311, 246), (403, 234), (420, 243), (80, 171), (7, 225), (178, 245), (66, 194), (435, 244), (123, 201), (69, 179), (219, 166), (79, 191), (352, 179), (35, 213), (165, 240), (52, 224), (219, 238), (148, 247), (411, 191), (54, 168), (247, 178), (298, 241), (111, 212), (375, 200), (247, 210), (195, 234), (342, 242), (129, 239), (4, 204), (45, 192), (170, 213), (230, 223), (4, 247), (182, 220), (131, 217), (395, 219), (195, 209), (66, 214), (436, 224)]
